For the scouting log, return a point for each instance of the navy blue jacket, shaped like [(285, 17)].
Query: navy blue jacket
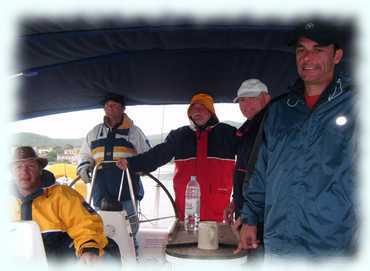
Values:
[(246, 135), (303, 186)]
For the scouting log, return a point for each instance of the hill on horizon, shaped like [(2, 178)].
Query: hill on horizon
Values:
[(32, 139)]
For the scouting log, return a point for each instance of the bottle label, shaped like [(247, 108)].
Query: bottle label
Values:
[(191, 205)]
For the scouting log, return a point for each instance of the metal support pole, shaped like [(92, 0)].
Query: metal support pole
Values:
[(132, 195)]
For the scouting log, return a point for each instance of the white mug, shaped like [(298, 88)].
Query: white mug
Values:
[(208, 235)]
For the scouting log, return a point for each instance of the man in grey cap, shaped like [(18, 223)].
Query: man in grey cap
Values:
[(253, 97), (304, 184)]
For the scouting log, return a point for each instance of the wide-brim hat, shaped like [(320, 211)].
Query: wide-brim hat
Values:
[(25, 153)]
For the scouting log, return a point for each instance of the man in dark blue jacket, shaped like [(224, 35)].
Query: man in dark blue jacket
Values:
[(303, 187), (253, 97)]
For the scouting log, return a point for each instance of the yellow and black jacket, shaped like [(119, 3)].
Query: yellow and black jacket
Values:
[(64, 217)]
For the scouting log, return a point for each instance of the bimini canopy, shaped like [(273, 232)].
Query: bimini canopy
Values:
[(69, 64)]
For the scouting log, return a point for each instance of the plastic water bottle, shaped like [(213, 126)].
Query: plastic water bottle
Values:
[(192, 205)]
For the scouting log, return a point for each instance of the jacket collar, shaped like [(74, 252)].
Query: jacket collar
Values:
[(212, 122), (336, 88), (248, 123), (125, 124), (31, 197)]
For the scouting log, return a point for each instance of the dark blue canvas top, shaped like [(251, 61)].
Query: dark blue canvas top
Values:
[(69, 64)]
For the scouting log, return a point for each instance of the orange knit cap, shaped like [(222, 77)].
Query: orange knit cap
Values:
[(205, 100)]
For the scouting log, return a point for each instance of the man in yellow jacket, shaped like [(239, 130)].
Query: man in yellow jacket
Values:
[(62, 214)]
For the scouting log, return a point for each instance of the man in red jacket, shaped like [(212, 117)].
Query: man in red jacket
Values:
[(206, 149)]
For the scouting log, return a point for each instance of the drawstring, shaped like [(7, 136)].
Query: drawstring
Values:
[(337, 91), (101, 131)]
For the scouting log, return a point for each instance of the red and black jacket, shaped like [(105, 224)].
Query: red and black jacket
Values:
[(208, 154)]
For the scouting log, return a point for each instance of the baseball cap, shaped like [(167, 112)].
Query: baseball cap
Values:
[(251, 88), (324, 33), (113, 97)]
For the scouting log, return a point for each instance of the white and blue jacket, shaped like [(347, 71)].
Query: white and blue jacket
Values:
[(106, 143)]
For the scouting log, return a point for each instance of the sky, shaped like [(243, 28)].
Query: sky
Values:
[(15, 9), (151, 119)]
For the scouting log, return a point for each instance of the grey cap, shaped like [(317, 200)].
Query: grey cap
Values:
[(251, 88)]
